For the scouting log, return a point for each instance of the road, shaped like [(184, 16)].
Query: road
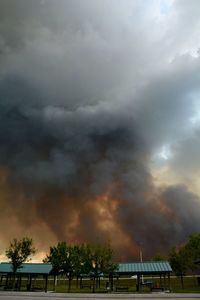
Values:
[(51, 296)]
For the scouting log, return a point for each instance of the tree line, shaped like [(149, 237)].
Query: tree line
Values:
[(73, 261)]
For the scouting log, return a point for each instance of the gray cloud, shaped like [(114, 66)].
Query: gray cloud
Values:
[(88, 93), (186, 155)]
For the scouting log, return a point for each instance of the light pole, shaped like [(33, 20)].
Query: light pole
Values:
[(141, 260)]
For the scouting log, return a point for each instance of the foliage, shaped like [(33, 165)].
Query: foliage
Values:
[(58, 256), (81, 260), (101, 260), (159, 257), (65, 259), (179, 261), (192, 249), (19, 252), (78, 260), (185, 257)]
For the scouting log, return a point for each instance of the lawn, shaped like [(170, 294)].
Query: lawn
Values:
[(123, 285)]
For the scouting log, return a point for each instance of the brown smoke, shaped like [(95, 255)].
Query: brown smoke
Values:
[(129, 219)]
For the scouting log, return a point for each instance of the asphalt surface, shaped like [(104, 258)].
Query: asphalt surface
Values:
[(55, 296)]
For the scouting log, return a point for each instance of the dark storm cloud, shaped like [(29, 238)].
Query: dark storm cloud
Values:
[(85, 100)]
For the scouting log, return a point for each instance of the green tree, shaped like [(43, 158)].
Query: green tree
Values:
[(56, 257), (19, 252), (62, 259), (80, 253), (74, 261), (179, 262), (159, 257), (184, 258), (101, 262), (192, 249)]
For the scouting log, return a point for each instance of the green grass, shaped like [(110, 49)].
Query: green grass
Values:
[(190, 285)]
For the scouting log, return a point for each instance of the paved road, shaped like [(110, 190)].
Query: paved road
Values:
[(51, 296)]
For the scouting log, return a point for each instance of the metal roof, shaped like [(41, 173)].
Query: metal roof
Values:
[(27, 268), (151, 267)]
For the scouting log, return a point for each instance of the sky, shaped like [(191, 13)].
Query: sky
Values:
[(100, 123)]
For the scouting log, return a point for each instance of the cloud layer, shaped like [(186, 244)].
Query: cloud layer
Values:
[(90, 92)]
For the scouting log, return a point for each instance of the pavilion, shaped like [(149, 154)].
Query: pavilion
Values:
[(160, 269), (29, 271)]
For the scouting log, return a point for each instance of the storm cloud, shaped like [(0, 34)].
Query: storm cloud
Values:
[(90, 92)]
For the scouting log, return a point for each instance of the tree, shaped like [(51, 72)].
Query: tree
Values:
[(56, 257), (159, 257), (77, 260), (62, 259), (184, 258), (179, 262), (101, 261), (19, 251), (80, 253), (192, 249)]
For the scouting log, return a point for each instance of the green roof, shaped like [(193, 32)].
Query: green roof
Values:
[(151, 267), (27, 268)]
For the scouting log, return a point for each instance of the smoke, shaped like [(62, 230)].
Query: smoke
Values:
[(84, 106)]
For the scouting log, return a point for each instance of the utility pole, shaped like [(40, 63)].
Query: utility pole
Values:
[(141, 260)]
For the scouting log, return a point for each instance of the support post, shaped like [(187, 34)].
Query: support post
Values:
[(111, 282), (138, 283), (54, 281), (6, 284), (30, 283), (169, 283), (1, 279), (20, 281), (46, 283), (165, 281), (81, 282)]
